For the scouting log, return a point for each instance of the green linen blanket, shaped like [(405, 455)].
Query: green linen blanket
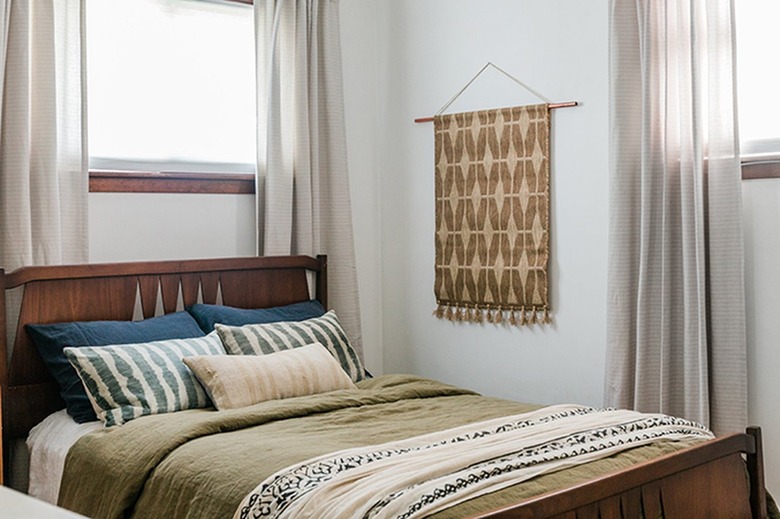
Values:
[(201, 463)]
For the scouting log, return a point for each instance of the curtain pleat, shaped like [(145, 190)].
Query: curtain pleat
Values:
[(676, 325), (43, 151), (43, 157), (303, 200)]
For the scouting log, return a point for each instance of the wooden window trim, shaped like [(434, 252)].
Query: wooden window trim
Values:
[(109, 181), (105, 181), (759, 170)]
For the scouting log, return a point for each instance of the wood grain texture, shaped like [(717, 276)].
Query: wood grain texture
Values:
[(631, 502), (97, 270), (708, 481), (148, 286), (610, 508), (190, 287), (590, 511), (171, 182), (209, 285), (760, 170), (169, 287), (755, 463), (651, 499)]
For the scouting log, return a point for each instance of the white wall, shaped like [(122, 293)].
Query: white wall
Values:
[(160, 226), (761, 199), (360, 51), (559, 48)]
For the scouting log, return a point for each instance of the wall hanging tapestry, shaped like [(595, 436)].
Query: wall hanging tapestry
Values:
[(492, 215)]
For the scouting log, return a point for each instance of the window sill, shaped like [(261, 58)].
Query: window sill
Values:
[(101, 181), (760, 169)]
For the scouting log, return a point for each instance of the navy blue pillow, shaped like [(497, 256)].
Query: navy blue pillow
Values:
[(208, 315), (52, 338)]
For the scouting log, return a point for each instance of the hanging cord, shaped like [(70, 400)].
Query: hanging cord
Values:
[(504, 72)]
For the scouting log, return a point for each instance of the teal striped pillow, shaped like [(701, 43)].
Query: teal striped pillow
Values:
[(262, 339), (126, 381)]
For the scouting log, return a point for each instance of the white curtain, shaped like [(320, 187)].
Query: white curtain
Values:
[(676, 336), (43, 152), (303, 202), (43, 159)]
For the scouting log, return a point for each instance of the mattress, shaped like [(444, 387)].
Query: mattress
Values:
[(49, 443)]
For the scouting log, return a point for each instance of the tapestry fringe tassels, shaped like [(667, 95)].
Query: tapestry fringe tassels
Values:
[(522, 316)]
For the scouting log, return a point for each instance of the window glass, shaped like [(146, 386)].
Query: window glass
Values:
[(758, 77), (171, 85)]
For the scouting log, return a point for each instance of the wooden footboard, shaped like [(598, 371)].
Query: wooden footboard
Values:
[(709, 480)]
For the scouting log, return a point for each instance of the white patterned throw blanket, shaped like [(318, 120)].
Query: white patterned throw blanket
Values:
[(422, 475)]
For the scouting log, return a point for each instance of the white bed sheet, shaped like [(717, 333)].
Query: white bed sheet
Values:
[(49, 443)]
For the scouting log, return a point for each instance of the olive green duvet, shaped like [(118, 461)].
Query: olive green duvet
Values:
[(201, 463)]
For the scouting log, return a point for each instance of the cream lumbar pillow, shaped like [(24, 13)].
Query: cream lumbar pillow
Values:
[(240, 380)]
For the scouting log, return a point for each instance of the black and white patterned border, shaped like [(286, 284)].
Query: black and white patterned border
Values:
[(274, 496)]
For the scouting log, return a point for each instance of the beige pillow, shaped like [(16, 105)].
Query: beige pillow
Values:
[(240, 380)]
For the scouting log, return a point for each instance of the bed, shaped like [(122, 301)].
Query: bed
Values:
[(659, 479)]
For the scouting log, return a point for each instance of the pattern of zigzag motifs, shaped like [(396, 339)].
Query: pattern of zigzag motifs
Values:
[(492, 208)]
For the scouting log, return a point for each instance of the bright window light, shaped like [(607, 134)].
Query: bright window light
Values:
[(171, 85), (758, 78)]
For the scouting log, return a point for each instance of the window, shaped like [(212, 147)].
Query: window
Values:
[(171, 86), (758, 79)]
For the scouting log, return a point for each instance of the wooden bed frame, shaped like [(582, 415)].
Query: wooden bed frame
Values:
[(702, 481)]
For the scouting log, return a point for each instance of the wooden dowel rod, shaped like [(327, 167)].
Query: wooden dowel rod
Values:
[(563, 105), (550, 106)]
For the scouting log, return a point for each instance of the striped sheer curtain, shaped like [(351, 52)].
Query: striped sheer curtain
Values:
[(43, 158), (676, 336), (303, 201)]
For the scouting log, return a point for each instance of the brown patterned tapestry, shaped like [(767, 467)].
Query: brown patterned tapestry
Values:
[(492, 215)]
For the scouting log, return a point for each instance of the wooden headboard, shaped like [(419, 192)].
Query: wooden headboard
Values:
[(112, 291)]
